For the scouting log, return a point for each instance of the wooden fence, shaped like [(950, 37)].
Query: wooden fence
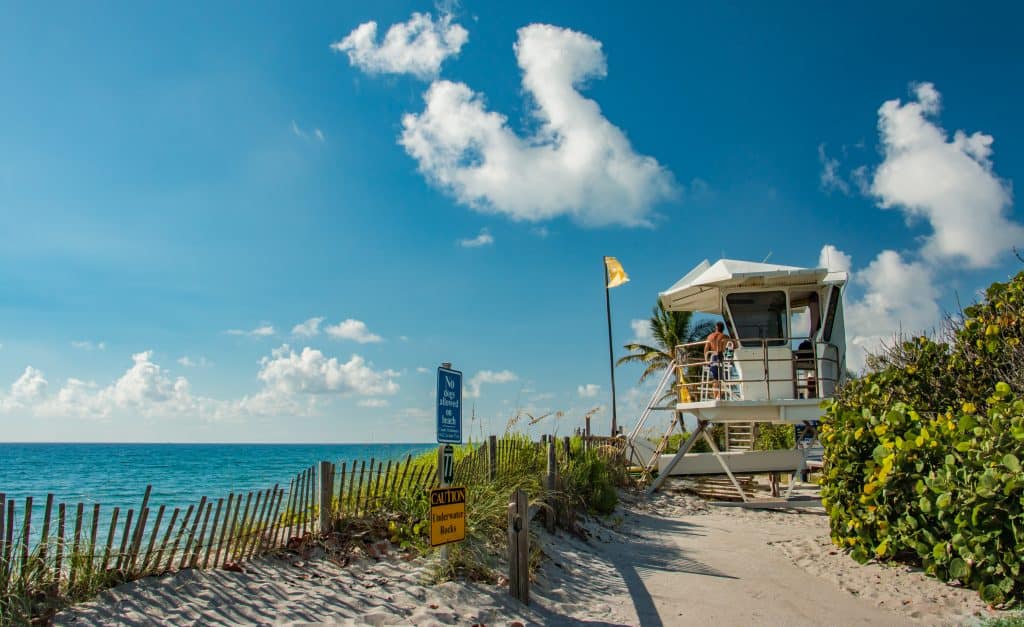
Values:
[(80, 550)]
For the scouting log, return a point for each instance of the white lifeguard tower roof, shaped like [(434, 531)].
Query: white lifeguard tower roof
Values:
[(701, 289)]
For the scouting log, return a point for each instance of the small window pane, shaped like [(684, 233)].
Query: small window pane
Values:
[(759, 315)]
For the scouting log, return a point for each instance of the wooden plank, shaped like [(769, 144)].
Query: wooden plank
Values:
[(110, 539), (3, 544), (213, 533), (167, 537), (121, 554), (26, 528), (239, 531), (519, 547), (140, 526), (133, 550), (59, 562), (230, 522), (194, 562), (275, 521), (187, 551), (262, 522), (391, 480), (492, 457), (359, 490), (350, 490), (277, 517), (92, 536), (310, 501), (8, 545), (223, 531), (341, 491), (414, 483), (152, 540), (283, 526), (76, 559), (177, 538), (405, 475), (47, 512), (324, 497), (303, 501), (247, 529), (376, 486)]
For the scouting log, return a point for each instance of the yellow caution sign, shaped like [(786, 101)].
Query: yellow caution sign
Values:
[(447, 515)]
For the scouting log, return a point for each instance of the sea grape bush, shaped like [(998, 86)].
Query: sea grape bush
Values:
[(924, 452)]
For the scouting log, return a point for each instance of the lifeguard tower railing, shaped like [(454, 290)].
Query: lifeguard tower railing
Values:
[(810, 371), (774, 371)]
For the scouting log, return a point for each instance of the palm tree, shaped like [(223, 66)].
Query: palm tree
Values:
[(668, 329)]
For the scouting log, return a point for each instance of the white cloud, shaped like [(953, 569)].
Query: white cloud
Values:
[(316, 134), (830, 178), (309, 328), (265, 330), (311, 372), (373, 402), (418, 46), (293, 384), (483, 239), (541, 231), (834, 259), (488, 376), (144, 389), (416, 412), (641, 331), (590, 390), (899, 296), (28, 388), (198, 362), (355, 330), (950, 183), (86, 345), (422, 370), (576, 163)]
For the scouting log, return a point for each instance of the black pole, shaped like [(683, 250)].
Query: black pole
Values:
[(611, 353)]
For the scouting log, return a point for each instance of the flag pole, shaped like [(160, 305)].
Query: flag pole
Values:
[(611, 353)]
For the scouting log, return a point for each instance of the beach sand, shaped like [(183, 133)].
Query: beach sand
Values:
[(670, 560)]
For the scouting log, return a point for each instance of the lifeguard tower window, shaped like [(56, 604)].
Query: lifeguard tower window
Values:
[(759, 316), (830, 314)]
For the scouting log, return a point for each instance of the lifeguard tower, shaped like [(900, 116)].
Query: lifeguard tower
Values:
[(787, 353)]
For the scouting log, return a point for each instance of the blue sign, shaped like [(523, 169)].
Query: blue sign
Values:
[(449, 406)]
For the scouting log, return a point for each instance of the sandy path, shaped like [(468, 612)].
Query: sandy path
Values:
[(667, 561)]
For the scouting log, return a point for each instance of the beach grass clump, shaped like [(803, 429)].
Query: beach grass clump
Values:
[(923, 453), (591, 478)]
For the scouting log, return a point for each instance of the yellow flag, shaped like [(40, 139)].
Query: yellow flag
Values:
[(616, 275)]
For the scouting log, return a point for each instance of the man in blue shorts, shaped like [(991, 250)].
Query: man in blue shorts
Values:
[(714, 350)]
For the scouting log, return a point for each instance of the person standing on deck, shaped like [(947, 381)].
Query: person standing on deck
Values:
[(714, 353)]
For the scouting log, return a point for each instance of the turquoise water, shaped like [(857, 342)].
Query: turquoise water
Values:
[(116, 475)]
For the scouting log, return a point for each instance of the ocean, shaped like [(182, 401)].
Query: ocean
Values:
[(116, 475)]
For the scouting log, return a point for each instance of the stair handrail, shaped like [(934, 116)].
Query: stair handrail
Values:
[(653, 402)]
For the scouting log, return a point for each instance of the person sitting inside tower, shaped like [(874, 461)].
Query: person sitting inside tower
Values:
[(714, 351)]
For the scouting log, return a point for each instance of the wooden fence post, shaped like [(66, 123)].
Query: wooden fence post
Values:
[(519, 547), (492, 457), (551, 483), (326, 492), (567, 445)]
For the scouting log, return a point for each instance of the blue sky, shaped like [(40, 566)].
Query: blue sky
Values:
[(174, 178)]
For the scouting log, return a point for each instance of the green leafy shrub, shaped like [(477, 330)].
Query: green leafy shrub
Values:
[(591, 478), (771, 437), (923, 452)]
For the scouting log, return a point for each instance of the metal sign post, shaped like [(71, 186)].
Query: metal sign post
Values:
[(449, 431)]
